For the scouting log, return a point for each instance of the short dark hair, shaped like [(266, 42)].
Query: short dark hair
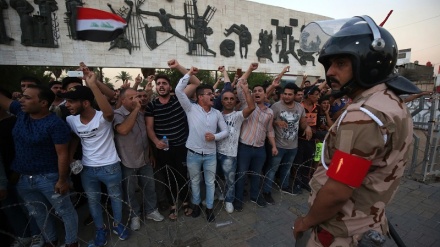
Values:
[(291, 86), (44, 94), (55, 83), (201, 88), (227, 91), (310, 90), (162, 76), (323, 98), (67, 80), (259, 85), (298, 90), (30, 79)]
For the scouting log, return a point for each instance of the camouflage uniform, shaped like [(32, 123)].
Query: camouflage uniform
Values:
[(387, 147)]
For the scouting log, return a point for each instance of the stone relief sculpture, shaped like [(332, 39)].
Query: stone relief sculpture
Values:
[(122, 41), (284, 34), (39, 30), (227, 48), (4, 38), (291, 50), (164, 19), (265, 40), (197, 27), (71, 14), (244, 37)]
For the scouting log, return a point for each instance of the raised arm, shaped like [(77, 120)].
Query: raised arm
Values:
[(276, 81), (195, 82), (227, 87), (180, 94), (250, 104), (137, 81), (124, 127), (108, 92), (303, 80), (244, 77), (103, 104)]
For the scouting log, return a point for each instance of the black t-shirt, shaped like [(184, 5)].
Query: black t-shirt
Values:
[(169, 120)]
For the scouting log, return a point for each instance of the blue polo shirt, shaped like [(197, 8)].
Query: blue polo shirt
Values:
[(34, 141)]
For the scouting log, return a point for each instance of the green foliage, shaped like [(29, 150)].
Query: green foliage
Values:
[(259, 79), (107, 82), (11, 74), (123, 76), (204, 75)]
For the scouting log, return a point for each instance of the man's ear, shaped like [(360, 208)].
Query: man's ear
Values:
[(86, 103), (44, 102)]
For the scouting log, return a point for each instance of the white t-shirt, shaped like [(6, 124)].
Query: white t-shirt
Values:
[(97, 140), (229, 145)]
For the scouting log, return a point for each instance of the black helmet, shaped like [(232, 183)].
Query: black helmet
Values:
[(372, 49), (373, 58)]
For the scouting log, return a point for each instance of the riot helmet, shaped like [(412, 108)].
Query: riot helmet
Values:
[(372, 50)]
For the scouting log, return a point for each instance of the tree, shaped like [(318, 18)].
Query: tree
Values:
[(123, 76), (108, 83), (11, 75)]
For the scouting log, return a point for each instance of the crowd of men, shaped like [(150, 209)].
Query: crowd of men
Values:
[(242, 134), (174, 147)]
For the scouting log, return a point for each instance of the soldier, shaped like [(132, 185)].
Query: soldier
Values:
[(365, 152)]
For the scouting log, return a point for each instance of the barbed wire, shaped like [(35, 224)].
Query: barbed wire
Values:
[(184, 231)]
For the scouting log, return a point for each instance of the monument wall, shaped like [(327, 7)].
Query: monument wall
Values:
[(203, 33)]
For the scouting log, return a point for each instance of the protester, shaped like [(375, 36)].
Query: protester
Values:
[(41, 141), (166, 117), (132, 145), (227, 148), (100, 159), (203, 123)]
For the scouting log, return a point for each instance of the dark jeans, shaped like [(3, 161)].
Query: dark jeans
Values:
[(250, 160), (303, 162), (172, 164)]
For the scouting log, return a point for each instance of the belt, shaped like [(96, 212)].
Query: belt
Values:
[(249, 146), (194, 152)]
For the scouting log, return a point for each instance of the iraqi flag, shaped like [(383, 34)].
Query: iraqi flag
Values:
[(97, 25)]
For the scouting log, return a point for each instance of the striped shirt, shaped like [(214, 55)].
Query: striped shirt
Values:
[(169, 120), (257, 126)]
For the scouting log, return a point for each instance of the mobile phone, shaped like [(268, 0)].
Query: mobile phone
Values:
[(75, 73), (239, 71)]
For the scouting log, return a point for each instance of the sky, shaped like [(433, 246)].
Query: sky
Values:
[(414, 24)]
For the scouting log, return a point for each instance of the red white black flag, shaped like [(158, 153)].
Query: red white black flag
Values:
[(97, 25)]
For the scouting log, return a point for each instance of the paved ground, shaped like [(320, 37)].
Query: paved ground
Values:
[(414, 213)]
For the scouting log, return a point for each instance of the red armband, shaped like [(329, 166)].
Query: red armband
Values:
[(348, 169)]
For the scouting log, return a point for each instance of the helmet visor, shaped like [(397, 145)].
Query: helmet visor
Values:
[(317, 33)]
